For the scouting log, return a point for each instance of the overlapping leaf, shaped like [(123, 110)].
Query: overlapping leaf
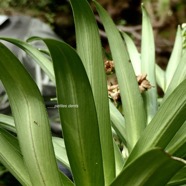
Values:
[(148, 65), (131, 98), (90, 51), (148, 170), (42, 61), (175, 57), (31, 120), (10, 156), (78, 115), (165, 124)]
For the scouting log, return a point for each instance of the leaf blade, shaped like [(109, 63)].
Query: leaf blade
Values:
[(31, 120), (179, 178), (131, 98), (177, 145), (90, 51), (178, 77), (42, 61), (165, 124), (175, 57), (10, 156), (148, 64), (133, 54), (118, 122), (154, 167), (78, 138), (7, 122)]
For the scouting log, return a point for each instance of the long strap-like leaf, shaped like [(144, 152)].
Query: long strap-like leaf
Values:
[(31, 120), (10, 152), (35, 54), (10, 156), (152, 168), (78, 115), (148, 65), (175, 58), (165, 124), (90, 51), (179, 179), (131, 98)]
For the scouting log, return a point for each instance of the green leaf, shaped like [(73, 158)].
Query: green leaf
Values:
[(58, 143), (179, 179), (118, 122), (178, 77), (118, 159), (7, 122), (148, 65), (12, 139), (3, 170), (165, 124), (60, 151), (133, 54), (175, 57), (78, 115), (31, 120), (160, 77), (131, 98), (42, 61), (153, 168), (90, 51), (10, 156), (177, 146), (66, 181), (136, 61)]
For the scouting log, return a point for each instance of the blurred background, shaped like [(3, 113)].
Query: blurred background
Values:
[(53, 18), (165, 16)]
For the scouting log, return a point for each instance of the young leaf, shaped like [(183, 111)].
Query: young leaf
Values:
[(175, 57), (178, 77), (148, 65)]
